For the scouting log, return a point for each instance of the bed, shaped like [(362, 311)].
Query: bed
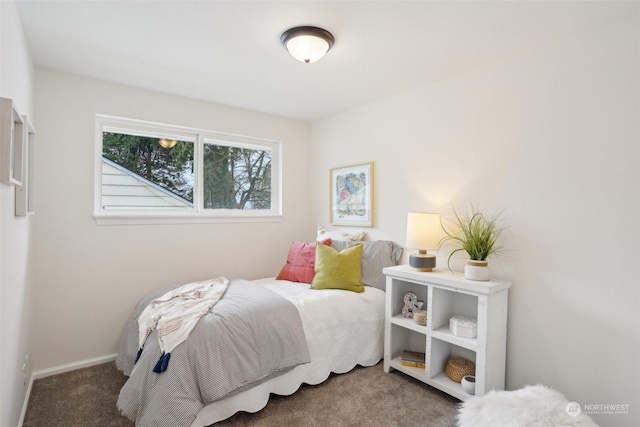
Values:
[(342, 329)]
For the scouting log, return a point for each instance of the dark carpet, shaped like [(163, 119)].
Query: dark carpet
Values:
[(362, 397)]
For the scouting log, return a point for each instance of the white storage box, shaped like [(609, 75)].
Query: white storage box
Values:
[(464, 326)]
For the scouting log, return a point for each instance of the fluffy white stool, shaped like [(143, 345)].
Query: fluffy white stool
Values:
[(531, 406)]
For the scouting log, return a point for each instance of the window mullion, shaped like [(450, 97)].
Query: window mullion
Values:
[(198, 177)]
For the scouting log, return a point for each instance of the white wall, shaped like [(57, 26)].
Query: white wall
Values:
[(88, 278), (553, 137), (16, 82)]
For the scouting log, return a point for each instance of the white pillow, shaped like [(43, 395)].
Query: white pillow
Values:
[(339, 235)]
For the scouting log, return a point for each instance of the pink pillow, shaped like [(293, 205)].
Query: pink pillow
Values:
[(300, 262)]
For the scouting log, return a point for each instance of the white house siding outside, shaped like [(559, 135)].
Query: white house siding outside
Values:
[(123, 189)]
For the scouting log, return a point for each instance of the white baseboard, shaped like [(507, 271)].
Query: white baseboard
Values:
[(73, 366), (59, 370), (26, 402)]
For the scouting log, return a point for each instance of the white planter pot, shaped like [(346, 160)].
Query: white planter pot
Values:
[(477, 270), (468, 384)]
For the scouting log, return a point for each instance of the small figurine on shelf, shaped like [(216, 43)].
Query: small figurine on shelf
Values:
[(411, 304)]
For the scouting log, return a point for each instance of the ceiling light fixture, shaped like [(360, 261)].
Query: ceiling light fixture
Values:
[(307, 44)]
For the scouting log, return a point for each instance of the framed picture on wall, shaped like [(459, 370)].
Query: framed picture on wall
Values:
[(351, 195), (25, 193), (11, 143)]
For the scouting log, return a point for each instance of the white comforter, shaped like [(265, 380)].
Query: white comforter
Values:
[(343, 329)]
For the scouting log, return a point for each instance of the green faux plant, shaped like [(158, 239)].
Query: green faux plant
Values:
[(474, 233)]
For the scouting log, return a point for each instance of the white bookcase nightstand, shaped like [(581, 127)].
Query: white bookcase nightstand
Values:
[(446, 294)]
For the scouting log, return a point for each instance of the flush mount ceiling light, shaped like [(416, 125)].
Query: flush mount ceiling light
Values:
[(307, 44)]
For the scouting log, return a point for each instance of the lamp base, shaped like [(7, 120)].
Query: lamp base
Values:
[(422, 262)]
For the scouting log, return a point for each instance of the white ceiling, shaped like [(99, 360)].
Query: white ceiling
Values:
[(229, 52)]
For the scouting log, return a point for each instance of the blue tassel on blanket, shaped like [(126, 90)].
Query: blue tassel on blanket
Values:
[(138, 356), (165, 362), (162, 363), (158, 368)]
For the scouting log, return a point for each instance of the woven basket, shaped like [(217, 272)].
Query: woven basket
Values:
[(458, 367), (420, 317)]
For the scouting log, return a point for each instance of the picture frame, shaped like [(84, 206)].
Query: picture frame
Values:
[(25, 193), (12, 145), (351, 195)]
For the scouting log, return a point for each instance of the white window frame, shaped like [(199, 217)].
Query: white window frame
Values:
[(197, 214)]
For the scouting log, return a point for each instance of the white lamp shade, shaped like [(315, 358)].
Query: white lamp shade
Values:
[(307, 48), (423, 230)]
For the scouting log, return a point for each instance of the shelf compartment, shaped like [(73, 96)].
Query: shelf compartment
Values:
[(447, 303), (406, 339), (402, 339), (440, 351), (399, 288)]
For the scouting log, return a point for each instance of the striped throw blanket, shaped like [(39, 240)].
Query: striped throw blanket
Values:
[(176, 313)]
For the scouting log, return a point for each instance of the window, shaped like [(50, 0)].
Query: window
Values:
[(151, 173)]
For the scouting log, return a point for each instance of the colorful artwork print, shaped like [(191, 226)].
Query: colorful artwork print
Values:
[(350, 193), (351, 189)]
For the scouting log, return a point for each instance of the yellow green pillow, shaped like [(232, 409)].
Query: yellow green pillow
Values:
[(338, 270)]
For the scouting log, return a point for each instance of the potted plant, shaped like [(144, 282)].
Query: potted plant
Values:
[(477, 234)]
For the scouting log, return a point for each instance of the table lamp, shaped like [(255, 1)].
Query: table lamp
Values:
[(423, 233)]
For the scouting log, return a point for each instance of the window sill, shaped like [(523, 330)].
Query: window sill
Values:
[(102, 219)]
